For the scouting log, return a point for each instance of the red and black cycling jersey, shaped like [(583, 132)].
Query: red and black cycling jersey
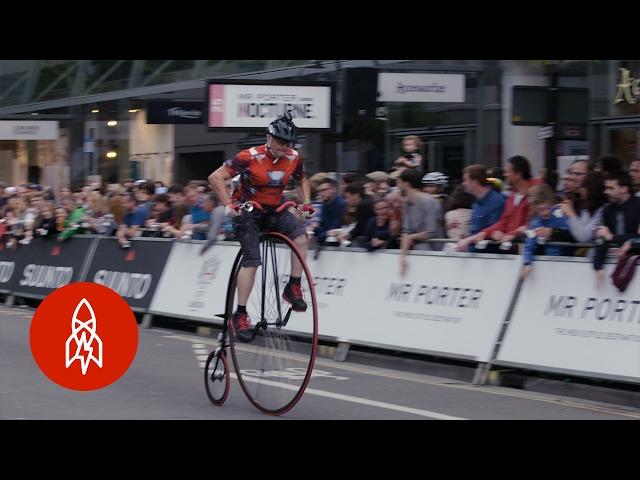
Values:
[(261, 177)]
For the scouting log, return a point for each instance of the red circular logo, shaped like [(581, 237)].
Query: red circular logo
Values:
[(84, 336)]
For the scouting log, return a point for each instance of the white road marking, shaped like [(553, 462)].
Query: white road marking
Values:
[(336, 396), (350, 398), (380, 372)]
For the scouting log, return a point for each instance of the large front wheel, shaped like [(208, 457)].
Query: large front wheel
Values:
[(276, 366)]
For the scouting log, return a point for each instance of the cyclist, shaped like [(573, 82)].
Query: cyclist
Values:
[(264, 172)]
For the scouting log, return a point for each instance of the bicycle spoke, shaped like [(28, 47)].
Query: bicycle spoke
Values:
[(274, 369)]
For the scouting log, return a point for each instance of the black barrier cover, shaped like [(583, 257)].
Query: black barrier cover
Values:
[(134, 273), (8, 271), (46, 264)]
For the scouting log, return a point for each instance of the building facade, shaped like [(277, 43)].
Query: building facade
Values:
[(107, 124)]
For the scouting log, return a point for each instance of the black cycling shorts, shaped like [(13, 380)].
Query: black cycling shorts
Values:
[(248, 226)]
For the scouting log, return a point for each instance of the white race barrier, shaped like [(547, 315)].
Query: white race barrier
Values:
[(445, 305), (563, 323), (192, 285)]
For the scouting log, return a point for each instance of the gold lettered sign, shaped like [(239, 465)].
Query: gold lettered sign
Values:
[(628, 87)]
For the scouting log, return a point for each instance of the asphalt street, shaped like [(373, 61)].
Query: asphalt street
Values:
[(165, 381)]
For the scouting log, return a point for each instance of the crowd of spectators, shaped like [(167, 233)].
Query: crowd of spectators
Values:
[(493, 210)]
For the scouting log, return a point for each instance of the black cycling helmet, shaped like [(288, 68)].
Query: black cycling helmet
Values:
[(283, 128)]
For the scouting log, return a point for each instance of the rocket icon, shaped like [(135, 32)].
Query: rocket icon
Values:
[(83, 344)]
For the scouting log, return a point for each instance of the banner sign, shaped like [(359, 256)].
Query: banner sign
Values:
[(564, 321), (28, 130), (8, 272), (444, 304), (194, 285), (46, 264), (242, 105), (160, 112), (134, 272), (421, 87)]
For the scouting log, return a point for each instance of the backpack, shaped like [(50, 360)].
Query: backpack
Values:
[(624, 271)]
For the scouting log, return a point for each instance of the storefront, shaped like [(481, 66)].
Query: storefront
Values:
[(455, 131), (156, 131), (615, 103)]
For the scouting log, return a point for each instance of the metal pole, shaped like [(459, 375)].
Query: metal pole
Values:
[(339, 118), (550, 161)]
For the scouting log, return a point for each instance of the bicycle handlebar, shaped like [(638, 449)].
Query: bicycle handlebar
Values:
[(249, 205)]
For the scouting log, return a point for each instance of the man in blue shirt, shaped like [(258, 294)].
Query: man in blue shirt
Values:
[(199, 215), (489, 204), (134, 219), (333, 209)]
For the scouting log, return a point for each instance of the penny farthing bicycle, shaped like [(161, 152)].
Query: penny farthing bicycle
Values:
[(273, 369)]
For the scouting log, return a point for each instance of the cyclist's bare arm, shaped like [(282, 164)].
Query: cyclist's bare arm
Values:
[(304, 190), (218, 181)]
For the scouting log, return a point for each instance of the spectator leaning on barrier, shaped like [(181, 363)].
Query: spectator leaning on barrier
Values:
[(457, 221), (396, 207), (575, 176), (347, 178), (199, 217), (74, 222), (333, 208), (176, 194), (133, 221), (363, 205), (579, 170), (377, 232), (116, 210), (566, 186), (215, 210), (514, 218), (583, 221), (94, 212), (488, 206), (621, 217), (422, 217), (143, 191), (37, 203), (177, 227), (377, 183), (61, 215), (47, 226), (546, 217), (160, 217)]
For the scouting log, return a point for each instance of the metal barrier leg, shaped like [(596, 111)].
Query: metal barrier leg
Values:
[(341, 352), (483, 369), (481, 374), (147, 320), (10, 300)]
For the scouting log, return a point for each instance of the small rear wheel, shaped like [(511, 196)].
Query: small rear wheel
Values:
[(216, 377)]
